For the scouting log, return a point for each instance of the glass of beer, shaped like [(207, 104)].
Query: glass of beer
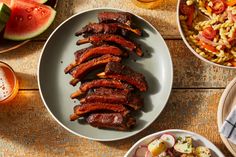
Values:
[(8, 83), (148, 4)]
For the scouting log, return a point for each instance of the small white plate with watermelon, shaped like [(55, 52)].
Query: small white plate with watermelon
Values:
[(21, 20)]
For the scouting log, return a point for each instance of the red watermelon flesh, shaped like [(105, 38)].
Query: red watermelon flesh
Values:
[(28, 19), (8, 2)]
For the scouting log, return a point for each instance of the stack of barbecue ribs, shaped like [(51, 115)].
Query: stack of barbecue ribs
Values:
[(107, 100)]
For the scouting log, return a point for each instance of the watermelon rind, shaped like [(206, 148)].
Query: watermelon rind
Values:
[(5, 13), (1, 26), (12, 36), (41, 1), (38, 1)]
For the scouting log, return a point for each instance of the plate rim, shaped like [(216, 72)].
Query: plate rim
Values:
[(190, 47), (14, 47), (224, 96), (99, 139), (171, 131)]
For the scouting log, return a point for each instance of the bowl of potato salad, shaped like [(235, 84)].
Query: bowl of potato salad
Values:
[(174, 143), (208, 28)]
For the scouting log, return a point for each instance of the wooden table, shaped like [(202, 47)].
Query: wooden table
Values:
[(27, 129)]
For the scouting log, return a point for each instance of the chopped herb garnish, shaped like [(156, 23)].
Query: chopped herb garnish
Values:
[(179, 138)]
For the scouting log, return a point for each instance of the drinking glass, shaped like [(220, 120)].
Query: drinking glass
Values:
[(8, 83), (148, 4)]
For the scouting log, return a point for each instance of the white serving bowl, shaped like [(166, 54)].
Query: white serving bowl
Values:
[(190, 47), (197, 140)]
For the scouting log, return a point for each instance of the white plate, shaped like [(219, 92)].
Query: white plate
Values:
[(226, 104), (54, 86), (197, 140)]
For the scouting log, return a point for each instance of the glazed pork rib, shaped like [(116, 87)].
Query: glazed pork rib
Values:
[(109, 95), (99, 51), (111, 121), (78, 53), (81, 70), (121, 72), (107, 28), (121, 17), (85, 87), (85, 109), (104, 90), (117, 39), (105, 98), (135, 102), (85, 54)]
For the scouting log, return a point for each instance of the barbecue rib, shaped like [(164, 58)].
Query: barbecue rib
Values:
[(121, 72), (111, 121), (78, 53), (121, 17), (98, 38), (85, 87), (74, 81), (109, 95), (103, 90), (85, 109), (135, 102), (105, 98), (106, 28), (82, 69), (93, 52)]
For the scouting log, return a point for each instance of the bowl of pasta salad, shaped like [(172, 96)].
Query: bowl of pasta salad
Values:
[(208, 28)]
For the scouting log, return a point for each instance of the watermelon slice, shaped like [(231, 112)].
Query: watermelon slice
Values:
[(8, 2), (28, 19), (5, 12)]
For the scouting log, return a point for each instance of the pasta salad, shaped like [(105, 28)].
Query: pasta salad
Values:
[(212, 37)]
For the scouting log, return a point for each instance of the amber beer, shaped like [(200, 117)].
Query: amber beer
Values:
[(149, 4), (8, 83)]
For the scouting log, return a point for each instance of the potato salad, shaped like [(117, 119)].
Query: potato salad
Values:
[(168, 145)]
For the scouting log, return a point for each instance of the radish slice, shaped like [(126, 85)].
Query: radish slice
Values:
[(148, 154), (169, 140), (141, 151), (205, 40)]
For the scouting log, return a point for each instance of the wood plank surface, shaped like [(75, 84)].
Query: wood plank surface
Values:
[(189, 71), (163, 18), (27, 129), (24, 62)]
